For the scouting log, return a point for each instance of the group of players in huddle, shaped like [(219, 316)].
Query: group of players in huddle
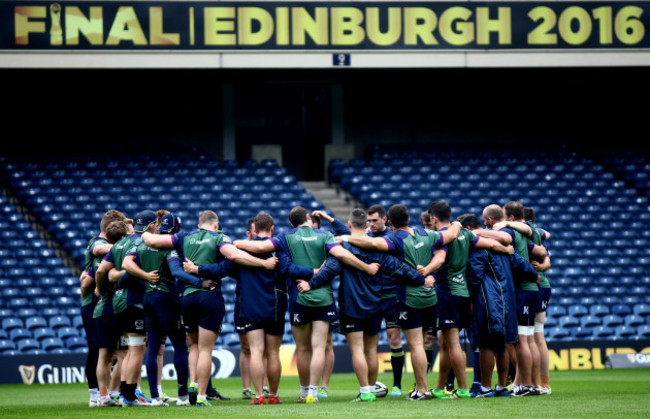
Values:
[(145, 280)]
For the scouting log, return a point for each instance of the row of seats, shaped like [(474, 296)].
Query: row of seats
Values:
[(590, 203)]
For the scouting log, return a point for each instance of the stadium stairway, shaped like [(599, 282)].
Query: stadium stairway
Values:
[(334, 199)]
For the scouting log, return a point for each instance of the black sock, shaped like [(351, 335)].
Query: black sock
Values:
[(397, 362)]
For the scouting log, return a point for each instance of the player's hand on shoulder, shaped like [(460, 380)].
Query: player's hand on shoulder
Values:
[(190, 267), (270, 263)]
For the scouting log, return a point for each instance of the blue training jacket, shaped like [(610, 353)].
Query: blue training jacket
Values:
[(359, 293), (491, 284)]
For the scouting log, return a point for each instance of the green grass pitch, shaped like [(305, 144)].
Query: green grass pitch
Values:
[(622, 393)]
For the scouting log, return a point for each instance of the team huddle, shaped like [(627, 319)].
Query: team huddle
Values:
[(146, 281)]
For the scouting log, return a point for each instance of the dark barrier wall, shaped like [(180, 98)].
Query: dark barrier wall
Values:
[(350, 25), (69, 368)]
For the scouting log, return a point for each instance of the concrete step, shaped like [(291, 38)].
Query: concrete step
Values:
[(331, 199)]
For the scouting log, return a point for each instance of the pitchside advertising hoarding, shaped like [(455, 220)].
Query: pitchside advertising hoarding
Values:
[(345, 26), (70, 368)]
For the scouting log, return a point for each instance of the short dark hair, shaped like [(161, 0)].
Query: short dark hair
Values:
[(249, 224), (115, 231), (441, 210), (425, 216), (297, 216), (358, 218), (514, 208), (469, 221), (377, 209), (529, 214), (263, 222), (110, 216), (398, 215)]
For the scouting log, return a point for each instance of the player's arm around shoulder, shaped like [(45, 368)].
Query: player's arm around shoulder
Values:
[(157, 241)]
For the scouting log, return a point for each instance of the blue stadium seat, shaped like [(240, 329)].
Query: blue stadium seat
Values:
[(26, 345), (41, 333), (6, 345), (590, 321), (19, 333), (34, 322), (621, 310), (568, 321), (75, 343), (558, 333), (578, 311), (11, 323), (599, 310), (581, 332), (632, 320), (641, 309), (59, 321), (603, 332), (65, 332), (49, 344), (625, 332), (612, 320)]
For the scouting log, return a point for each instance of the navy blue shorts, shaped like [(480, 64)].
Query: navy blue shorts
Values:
[(388, 312), (371, 326), (162, 312), (526, 303), (454, 311), (542, 300), (412, 318), (131, 320), (305, 314), (87, 320), (275, 327), (205, 309), (105, 332)]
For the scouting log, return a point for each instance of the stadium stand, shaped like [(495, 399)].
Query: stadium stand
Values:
[(595, 205), (52, 207)]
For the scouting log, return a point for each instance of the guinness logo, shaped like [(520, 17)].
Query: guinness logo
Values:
[(28, 373)]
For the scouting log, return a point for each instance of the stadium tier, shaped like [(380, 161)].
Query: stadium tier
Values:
[(57, 204), (595, 207)]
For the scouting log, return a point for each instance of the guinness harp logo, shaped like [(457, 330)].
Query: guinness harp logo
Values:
[(28, 373)]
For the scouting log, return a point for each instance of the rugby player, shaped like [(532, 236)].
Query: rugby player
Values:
[(415, 305), (453, 297), (202, 303), (95, 251), (310, 315), (360, 301)]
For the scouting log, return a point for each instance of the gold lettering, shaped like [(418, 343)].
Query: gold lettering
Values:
[(580, 359), (126, 27), (558, 362), (218, 22), (156, 32), (419, 24), (316, 27), (394, 30), (502, 26), (346, 26), (245, 18), (282, 26), (25, 26), (454, 26), (77, 23), (597, 359)]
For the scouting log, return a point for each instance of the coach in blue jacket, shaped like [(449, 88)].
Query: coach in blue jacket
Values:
[(491, 282)]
